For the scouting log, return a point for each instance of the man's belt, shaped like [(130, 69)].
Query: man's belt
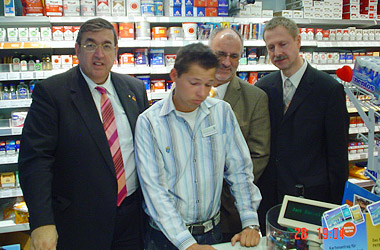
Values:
[(204, 227)]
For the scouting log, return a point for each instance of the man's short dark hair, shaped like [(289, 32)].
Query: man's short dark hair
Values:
[(195, 53), (96, 25)]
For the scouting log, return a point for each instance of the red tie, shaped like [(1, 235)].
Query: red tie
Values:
[(109, 124)]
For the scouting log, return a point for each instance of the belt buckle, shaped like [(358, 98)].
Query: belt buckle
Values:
[(207, 226)]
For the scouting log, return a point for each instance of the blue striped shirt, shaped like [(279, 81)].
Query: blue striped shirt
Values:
[(181, 170)]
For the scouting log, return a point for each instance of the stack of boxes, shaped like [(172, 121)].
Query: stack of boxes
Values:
[(327, 9), (360, 9), (199, 8)]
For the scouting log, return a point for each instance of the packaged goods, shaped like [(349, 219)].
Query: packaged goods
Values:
[(33, 7), (71, 8), (118, 7), (54, 7), (103, 8), (87, 7)]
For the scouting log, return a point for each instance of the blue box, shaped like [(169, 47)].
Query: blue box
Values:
[(189, 10), (175, 3), (222, 11), (201, 11), (189, 3), (223, 3), (157, 57)]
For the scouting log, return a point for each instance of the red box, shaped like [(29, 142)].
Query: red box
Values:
[(211, 11), (212, 3), (199, 3)]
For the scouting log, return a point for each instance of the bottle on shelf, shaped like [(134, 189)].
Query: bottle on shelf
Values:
[(23, 63), (12, 91), (49, 64), (22, 90), (6, 93), (38, 65), (31, 63), (16, 63), (43, 60)]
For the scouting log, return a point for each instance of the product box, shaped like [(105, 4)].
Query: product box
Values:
[(58, 32), (200, 11), (222, 11), (103, 7), (68, 33), (285, 13), (87, 7), (126, 31), (133, 7), (34, 34), (9, 8), (127, 59), (188, 10), (212, 3), (223, 3), (46, 33), (267, 13), (10, 147), (297, 14), (173, 2), (71, 8), (199, 3), (173, 10), (56, 61), (158, 85), (170, 59), (3, 34), (211, 11), (8, 180), (118, 7), (54, 7), (189, 2), (67, 61), (23, 34), (12, 34)]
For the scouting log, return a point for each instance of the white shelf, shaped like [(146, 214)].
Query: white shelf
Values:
[(8, 159), (20, 103), (10, 192), (334, 44), (358, 156), (355, 130), (6, 131), (9, 226)]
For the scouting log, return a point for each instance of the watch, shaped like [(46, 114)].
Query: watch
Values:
[(255, 227)]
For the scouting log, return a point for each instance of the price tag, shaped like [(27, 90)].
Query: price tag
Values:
[(5, 193), (12, 45), (363, 129), (13, 76), (16, 131), (27, 75), (3, 76)]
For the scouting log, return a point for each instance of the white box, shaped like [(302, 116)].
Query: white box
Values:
[(56, 61), (34, 34), (12, 34), (71, 7), (103, 8), (67, 61), (267, 13), (297, 14), (118, 7), (134, 8), (87, 7), (45, 33), (3, 34), (23, 34)]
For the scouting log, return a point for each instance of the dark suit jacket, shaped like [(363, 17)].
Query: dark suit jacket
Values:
[(308, 142), (250, 105), (66, 170)]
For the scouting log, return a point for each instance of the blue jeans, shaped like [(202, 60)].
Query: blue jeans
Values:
[(156, 240)]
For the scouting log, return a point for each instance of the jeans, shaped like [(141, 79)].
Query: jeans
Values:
[(156, 240)]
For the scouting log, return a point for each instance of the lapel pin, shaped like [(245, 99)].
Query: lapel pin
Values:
[(133, 98), (167, 149)]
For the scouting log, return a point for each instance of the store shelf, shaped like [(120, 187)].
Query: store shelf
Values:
[(20, 103), (10, 192), (362, 130), (337, 44), (8, 159), (358, 156), (8, 226)]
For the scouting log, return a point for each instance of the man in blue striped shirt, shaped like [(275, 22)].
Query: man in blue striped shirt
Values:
[(185, 145)]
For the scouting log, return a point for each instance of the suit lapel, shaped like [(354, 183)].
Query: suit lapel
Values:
[(301, 93), (82, 99), (127, 99), (277, 97), (233, 92)]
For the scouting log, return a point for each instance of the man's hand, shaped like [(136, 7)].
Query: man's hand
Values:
[(44, 238), (200, 247), (248, 238)]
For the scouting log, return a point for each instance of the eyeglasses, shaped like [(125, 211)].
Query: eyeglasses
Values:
[(222, 56), (92, 47)]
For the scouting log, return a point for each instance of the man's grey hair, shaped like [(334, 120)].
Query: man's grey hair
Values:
[(218, 30), (287, 23)]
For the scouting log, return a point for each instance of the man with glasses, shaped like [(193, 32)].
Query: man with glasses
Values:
[(76, 162), (250, 105)]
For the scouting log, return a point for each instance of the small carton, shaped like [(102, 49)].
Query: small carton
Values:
[(58, 32), (68, 33), (12, 34), (23, 34), (46, 33), (34, 34), (103, 8), (67, 61), (118, 7), (56, 61)]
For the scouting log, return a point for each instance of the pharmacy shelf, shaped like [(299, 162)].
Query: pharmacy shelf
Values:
[(355, 44), (9, 226), (7, 131), (10, 192), (8, 159), (358, 156), (355, 130), (20, 103)]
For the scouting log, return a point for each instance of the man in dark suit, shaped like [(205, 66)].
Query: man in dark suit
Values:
[(250, 105), (309, 125), (66, 166)]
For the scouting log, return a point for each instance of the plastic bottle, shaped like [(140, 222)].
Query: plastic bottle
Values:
[(22, 90), (12, 91), (23, 63), (16, 63), (6, 94), (31, 63), (38, 65), (49, 64)]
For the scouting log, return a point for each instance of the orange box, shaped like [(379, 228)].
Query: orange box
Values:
[(252, 78), (159, 33), (211, 11), (353, 121), (199, 3), (127, 31), (116, 27), (127, 59), (212, 3), (158, 85), (58, 32)]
